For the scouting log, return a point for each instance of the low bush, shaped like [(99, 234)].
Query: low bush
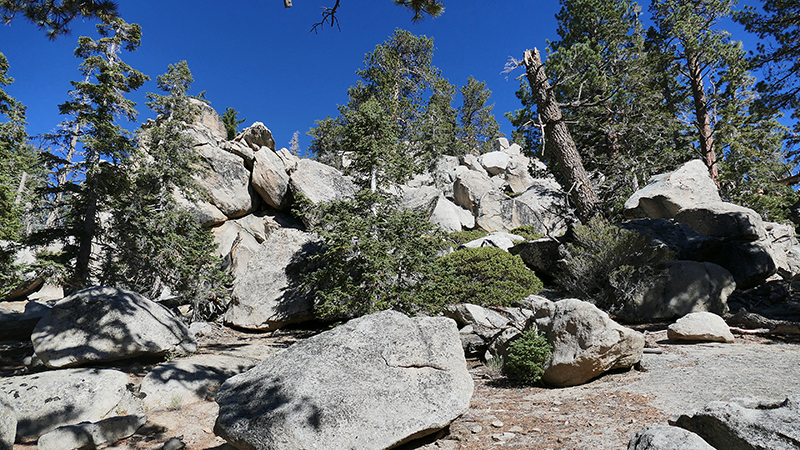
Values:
[(462, 237), (527, 231), (486, 276), (608, 265), (528, 356)]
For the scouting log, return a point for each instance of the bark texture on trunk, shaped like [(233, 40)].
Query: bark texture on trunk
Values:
[(702, 115), (560, 140)]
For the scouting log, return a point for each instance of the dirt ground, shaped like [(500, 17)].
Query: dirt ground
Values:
[(602, 414)]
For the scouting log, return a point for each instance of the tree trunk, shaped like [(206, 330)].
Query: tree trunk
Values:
[(702, 115), (559, 139)]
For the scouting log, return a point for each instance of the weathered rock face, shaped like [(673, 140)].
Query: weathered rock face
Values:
[(495, 162), (723, 220), (665, 437), (682, 288), (320, 183), (469, 188), (450, 216), (747, 424), (107, 324), (48, 400), (225, 179), (372, 383), (209, 118), (267, 295), (256, 136), (668, 193), (91, 435), (586, 342), (422, 200), (270, 179), (700, 326)]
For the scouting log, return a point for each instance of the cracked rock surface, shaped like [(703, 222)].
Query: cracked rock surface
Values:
[(372, 383)]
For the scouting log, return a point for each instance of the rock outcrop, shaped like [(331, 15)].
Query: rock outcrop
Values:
[(668, 193)]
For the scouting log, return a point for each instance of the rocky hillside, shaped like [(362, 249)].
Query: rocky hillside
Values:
[(385, 380)]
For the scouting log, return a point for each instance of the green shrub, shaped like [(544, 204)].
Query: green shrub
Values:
[(608, 265), (485, 276), (527, 357), (527, 231), (462, 237)]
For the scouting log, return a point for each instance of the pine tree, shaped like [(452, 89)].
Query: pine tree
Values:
[(478, 126), (158, 247), (55, 16), (231, 122), (778, 56), (732, 132), (96, 103), (401, 101)]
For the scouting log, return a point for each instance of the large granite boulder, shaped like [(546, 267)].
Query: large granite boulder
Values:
[(586, 342), (450, 216), (665, 437), (668, 193), (723, 220), (518, 175), (746, 424), (495, 162), (541, 256), (270, 179), (320, 183), (267, 294), (106, 324), (226, 180), (209, 118), (683, 287), (373, 383), (470, 187), (677, 237), (422, 200), (48, 400), (497, 239), (256, 136)]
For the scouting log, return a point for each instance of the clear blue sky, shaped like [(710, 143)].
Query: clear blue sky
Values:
[(259, 58)]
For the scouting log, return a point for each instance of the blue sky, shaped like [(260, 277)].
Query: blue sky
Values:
[(260, 58)]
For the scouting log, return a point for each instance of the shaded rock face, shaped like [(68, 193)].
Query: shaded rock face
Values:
[(48, 400), (270, 179), (668, 193), (723, 220), (107, 324), (372, 383), (665, 437), (750, 263), (747, 424), (266, 295), (683, 287), (91, 435), (586, 342)]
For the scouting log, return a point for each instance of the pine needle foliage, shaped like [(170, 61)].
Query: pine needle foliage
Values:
[(528, 356)]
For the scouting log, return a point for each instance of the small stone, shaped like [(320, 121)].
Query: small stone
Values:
[(516, 429), (503, 436), (173, 444), (536, 430), (497, 423), (475, 429)]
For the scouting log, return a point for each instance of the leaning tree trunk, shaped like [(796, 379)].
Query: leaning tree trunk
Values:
[(560, 141), (702, 115)]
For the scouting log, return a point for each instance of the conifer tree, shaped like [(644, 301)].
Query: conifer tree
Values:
[(97, 102), (159, 248), (54, 16), (478, 126), (231, 122)]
